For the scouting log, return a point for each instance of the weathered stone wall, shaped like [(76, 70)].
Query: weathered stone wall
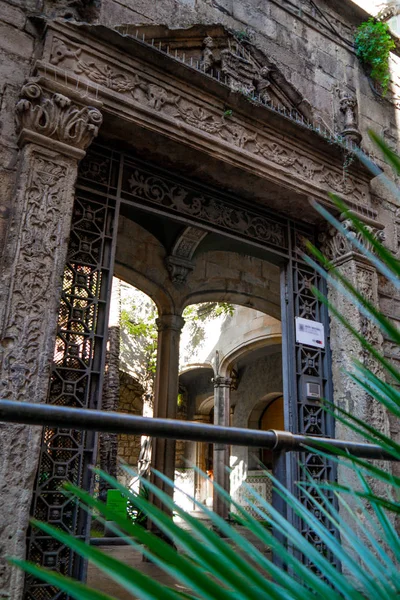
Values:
[(130, 402), (18, 39), (315, 57)]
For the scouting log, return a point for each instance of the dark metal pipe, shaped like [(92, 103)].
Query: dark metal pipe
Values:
[(111, 422)]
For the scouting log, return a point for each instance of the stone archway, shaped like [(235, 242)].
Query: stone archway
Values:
[(184, 110)]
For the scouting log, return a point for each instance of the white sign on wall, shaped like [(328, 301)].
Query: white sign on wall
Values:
[(310, 333)]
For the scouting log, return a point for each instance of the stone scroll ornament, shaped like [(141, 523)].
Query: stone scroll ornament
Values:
[(336, 246), (55, 116)]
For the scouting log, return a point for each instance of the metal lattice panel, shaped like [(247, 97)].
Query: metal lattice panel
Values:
[(309, 365), (75, 381)]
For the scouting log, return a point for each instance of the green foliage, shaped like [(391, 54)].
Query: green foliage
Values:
[(228, 112), (221, 563), (197, 315), (373, 43), (143, 327)]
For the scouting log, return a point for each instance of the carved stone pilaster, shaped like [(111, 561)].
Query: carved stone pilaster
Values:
[(346, 349), (54, 133), (349, 109)]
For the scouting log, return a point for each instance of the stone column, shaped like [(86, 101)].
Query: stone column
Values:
[(345, 348), (166, 392), (54, 132), (222, 387), (108, 442), (201, 447)]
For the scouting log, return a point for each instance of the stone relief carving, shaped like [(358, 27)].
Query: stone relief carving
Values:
[(187, 110), (57, 117), (349, 108), (38, 246), (60, 52), (335, 245), (178, 269), (207, 208), (239, 70)]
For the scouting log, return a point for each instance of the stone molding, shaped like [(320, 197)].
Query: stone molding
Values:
[(42, 116), (162, 102)]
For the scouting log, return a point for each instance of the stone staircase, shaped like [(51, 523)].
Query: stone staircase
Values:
[(119, 549)]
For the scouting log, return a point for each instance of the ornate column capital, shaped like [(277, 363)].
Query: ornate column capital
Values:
[(220, 381), (338, 248), (174, 322), (54, 120)]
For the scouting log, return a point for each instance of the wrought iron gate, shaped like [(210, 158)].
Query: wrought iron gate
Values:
[(75, 381), (107, 179)]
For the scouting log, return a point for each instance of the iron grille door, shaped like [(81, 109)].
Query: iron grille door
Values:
[(305, 364), (76, 378)]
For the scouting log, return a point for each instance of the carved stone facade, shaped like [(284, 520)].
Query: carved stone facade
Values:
[(34, 259), (247, 108)]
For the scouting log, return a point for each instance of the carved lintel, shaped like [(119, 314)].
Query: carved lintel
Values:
[(179, 269), (349, 108), (338, 248), (55, 117)]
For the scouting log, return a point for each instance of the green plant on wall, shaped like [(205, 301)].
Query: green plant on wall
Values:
[(373, 44)]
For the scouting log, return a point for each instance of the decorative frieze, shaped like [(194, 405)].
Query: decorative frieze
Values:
[(142, 87), (186, 200)]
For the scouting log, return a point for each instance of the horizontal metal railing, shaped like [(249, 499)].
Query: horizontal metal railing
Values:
[(112, 422)]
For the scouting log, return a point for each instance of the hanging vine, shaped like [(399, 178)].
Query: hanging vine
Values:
[(373, 44)]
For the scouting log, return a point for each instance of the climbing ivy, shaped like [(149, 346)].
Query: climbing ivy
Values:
[(373, 43)]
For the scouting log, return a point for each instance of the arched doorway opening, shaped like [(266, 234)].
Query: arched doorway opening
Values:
[(229, 358)]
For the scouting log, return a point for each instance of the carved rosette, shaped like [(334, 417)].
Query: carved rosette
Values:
[(55, 116), (337, 247)]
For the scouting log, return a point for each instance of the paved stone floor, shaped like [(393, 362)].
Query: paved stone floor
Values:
[(129, 555), (126, 554)]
